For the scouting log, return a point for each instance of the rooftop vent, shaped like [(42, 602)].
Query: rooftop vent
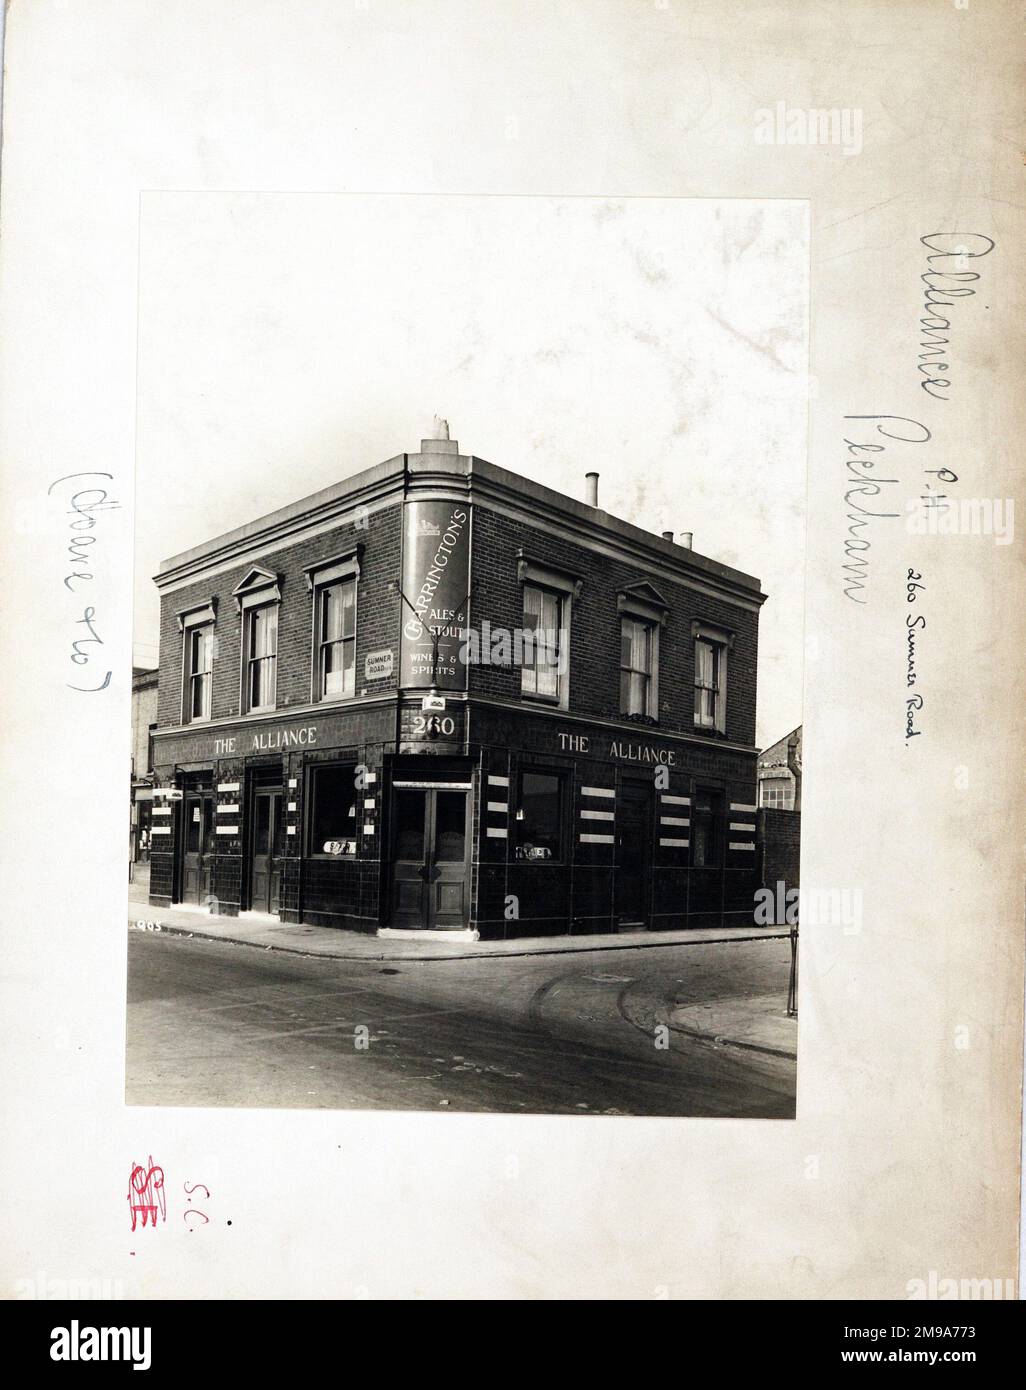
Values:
[(591, 489)]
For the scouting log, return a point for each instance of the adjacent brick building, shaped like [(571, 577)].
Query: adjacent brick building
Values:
[(144, 722), (439, 696)]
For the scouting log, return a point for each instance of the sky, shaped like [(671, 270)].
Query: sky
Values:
[(289, 340)]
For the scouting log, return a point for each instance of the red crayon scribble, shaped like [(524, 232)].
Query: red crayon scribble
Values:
[(146, 1194)]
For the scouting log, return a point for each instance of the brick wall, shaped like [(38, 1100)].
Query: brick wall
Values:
[(595, 628), (377, 618), (779, 838)]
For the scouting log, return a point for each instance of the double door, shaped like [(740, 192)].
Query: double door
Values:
[(431, 867)]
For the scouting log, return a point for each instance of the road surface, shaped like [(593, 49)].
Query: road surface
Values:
[(210, 1023)]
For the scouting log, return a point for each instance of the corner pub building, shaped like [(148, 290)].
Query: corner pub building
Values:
[(439, 697)]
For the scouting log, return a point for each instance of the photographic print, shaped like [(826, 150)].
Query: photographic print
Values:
[(457, 778), (515, 637)]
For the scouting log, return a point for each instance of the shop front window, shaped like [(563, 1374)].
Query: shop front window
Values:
[(539, 816), (333, 796), (706, 829)]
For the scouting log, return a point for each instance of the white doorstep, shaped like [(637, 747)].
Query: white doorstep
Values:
[(425, 934)]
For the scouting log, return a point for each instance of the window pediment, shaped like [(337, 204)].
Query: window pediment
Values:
[(344, 566), (710, 633), (548, 576), (259, 586), (643, 601), (197, 614)]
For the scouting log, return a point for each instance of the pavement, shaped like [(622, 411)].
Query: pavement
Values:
[(749, 1020), (268, 932), (589, 1032)]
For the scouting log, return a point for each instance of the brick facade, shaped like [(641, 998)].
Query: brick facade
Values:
[(607, 766)]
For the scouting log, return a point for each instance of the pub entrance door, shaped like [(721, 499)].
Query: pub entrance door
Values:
[(430, 856), (198, 846), (633, 855), (267, 849)]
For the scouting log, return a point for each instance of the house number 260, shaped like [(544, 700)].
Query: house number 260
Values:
[(432, 725)]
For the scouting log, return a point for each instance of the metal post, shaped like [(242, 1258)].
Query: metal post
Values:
[(792, 986)]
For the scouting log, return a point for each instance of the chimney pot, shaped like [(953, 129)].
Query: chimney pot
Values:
[(440, 442), (686, 537), (591, 480), (667, 535)]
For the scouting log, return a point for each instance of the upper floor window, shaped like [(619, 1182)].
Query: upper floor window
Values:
[(199, 654), (260, 657), (711, 647), (776, 791), (196, 625), (544, 658), (545, 648), (643, 611), (257, 599), (637, 652), (333, 584), (336, 642)]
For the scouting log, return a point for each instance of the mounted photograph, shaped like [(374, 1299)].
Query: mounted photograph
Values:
[(467, 682)]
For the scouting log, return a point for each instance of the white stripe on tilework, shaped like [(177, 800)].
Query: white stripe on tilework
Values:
[(292, 806), (227, 806), (228, 786), (368, 804), (597, 791), (674, 820), (676, 844), (368, 777), (161, 811), (495, 832), (738, 806), (290, 830), (502, 806), (227, 830), (368, 830), (675, 800), (741, 844), (741, 825), (596, 839), (293, 781), (494, 781), (597, 815), (160, 830)]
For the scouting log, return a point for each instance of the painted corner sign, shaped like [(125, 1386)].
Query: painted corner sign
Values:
[(378, 665), (436, 577)]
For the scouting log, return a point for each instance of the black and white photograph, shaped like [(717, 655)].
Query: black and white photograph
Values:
[(515, 637), (456, 775)]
